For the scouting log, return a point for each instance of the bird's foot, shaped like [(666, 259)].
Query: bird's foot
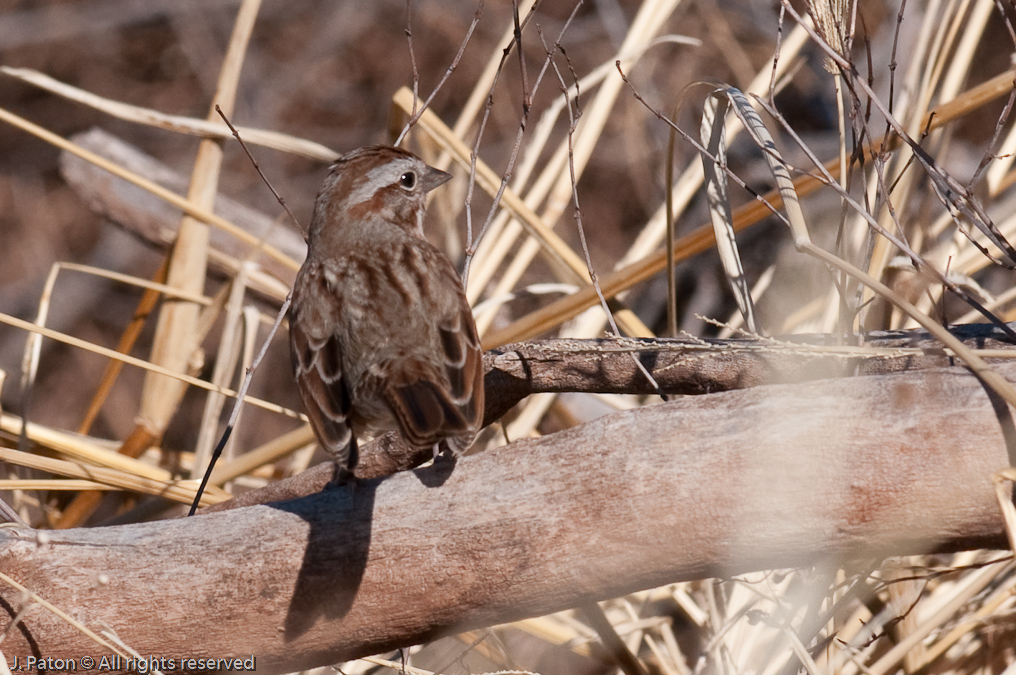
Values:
[(443, 455), (341, 477)]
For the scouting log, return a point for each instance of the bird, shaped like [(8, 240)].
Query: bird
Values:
[(382, 337)]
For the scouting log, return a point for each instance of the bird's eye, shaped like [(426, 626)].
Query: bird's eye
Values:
[(408, 180)]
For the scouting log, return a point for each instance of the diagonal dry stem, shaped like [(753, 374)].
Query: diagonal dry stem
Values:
[(701, 239), (140, 363), (187, 206), (554, 246), (206, 128)]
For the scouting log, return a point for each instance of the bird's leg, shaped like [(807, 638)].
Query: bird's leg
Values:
[(443, 454), (342, 473)]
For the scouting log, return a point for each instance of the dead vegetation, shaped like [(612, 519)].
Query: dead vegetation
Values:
[(878, 137)]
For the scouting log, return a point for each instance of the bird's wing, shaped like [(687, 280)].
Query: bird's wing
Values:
[(317, 363)]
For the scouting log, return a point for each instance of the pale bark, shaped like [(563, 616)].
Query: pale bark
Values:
[(773, 476)]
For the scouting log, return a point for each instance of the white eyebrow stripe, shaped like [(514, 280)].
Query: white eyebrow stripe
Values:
[(369, 184)]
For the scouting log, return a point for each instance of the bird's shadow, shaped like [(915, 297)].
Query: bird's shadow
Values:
[(338, 543)]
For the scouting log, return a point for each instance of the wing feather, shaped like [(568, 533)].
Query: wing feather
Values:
[(317, 364), (436, 400)]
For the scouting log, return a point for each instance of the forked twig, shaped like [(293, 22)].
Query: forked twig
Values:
[(527, 95), (444, 78)]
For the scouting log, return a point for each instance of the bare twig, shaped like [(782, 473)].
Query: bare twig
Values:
[(572, 122), (257, 167), (264, 346), (444, 78)]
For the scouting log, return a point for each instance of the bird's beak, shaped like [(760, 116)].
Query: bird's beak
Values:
[(433, 178)]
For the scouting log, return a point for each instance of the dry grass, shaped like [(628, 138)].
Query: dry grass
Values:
[(885, 234)]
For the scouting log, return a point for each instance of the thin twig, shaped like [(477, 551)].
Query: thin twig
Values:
[(264, 347), (572, 123), (412, 61), (506, 175), (444, 78), (239, 402), (257, 167)]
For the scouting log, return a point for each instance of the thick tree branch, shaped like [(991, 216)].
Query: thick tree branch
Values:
[(773, 476), (682, 366)]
